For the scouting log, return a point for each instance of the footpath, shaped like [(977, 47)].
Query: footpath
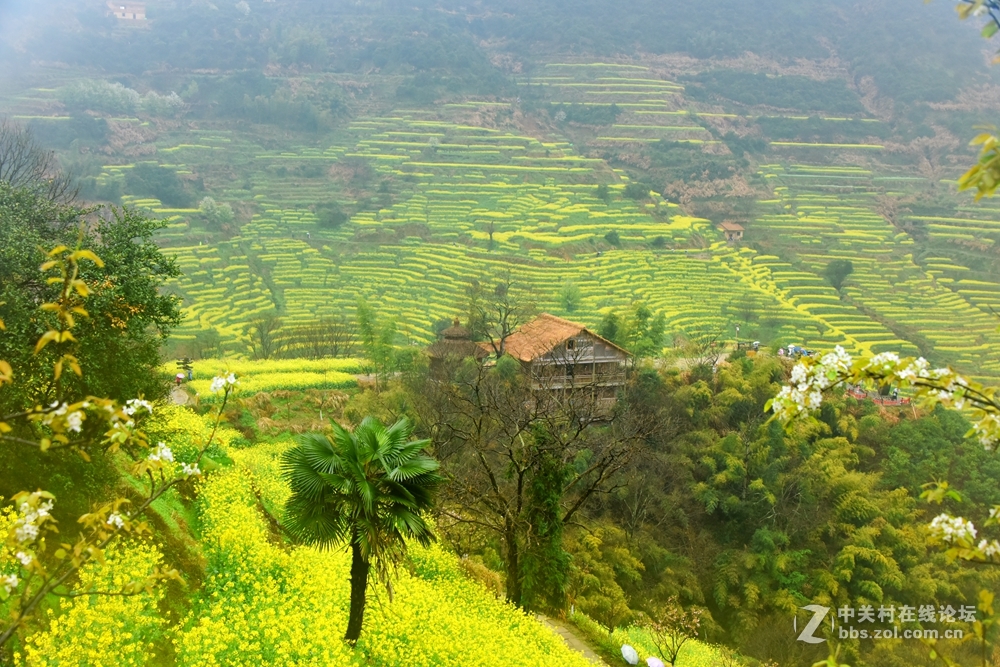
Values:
[(567, 632)]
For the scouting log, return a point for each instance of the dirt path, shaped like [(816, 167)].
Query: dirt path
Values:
[(179, 396), (567, 632)]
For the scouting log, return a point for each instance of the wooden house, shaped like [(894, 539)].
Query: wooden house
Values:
[(561, 358), (564, 356), (732, 231)]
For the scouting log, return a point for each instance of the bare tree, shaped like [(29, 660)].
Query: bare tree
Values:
[(705, 348), (497, 428), (325, 337), (264, 339), (25, 164), (498, 307)]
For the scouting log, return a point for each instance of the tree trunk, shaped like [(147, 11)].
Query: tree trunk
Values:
[(359, 589), (513, 567)]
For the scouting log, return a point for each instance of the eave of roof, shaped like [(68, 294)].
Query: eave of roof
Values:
[(540, 336)]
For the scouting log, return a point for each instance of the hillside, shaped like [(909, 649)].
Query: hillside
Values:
[(250, 579), (406, 206), (314, 192)]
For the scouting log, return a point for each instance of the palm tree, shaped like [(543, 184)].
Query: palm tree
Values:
[(366, 489)]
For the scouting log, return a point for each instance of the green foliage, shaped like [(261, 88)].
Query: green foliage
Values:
[(602, 563), (613, 238), (302, 46), (115, 98), (637, 190), (149, 179), (837, 271), (984, 176), (330, 215), (367, 487), (785, 92), (569, 296), (369, 490), (377, 338), (814, 129), (684, 161), (596, 114), (544, 563), (119, 345), (61, 134), (639, 331), (216, 215)]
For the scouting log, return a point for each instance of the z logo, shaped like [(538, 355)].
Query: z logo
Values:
[(819, 613)]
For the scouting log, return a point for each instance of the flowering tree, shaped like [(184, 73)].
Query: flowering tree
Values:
[(930, 387), (31, 569), (672, 627)]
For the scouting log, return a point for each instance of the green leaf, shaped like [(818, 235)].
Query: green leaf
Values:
[(990, 29)]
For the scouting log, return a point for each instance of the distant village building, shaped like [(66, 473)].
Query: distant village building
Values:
[(732, 231), (128, 11)]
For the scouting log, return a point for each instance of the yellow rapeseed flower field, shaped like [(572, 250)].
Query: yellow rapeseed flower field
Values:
[(264, 602)]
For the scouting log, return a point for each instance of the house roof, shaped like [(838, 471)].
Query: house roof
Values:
[(731, 227), (541, 335), (456, 332)]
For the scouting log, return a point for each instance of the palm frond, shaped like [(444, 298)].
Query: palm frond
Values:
[(370, 487)]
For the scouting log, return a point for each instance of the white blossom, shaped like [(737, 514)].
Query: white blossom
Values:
[(990, 549), (952, 529), (26, 528), (115, 520), (914, 370), (799, 374), (987, 430), (815, 399), (25, 558), (161, 453), (9, 582), (190, 469), (74, 421), (839, 359), (55, 410), (133, 405), (218, 384), (884, 361)]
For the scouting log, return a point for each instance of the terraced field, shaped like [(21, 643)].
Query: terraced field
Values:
[(468, 196), (413, 259), (826, 213)]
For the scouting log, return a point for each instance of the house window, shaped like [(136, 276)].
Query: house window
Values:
[(570, 344)]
